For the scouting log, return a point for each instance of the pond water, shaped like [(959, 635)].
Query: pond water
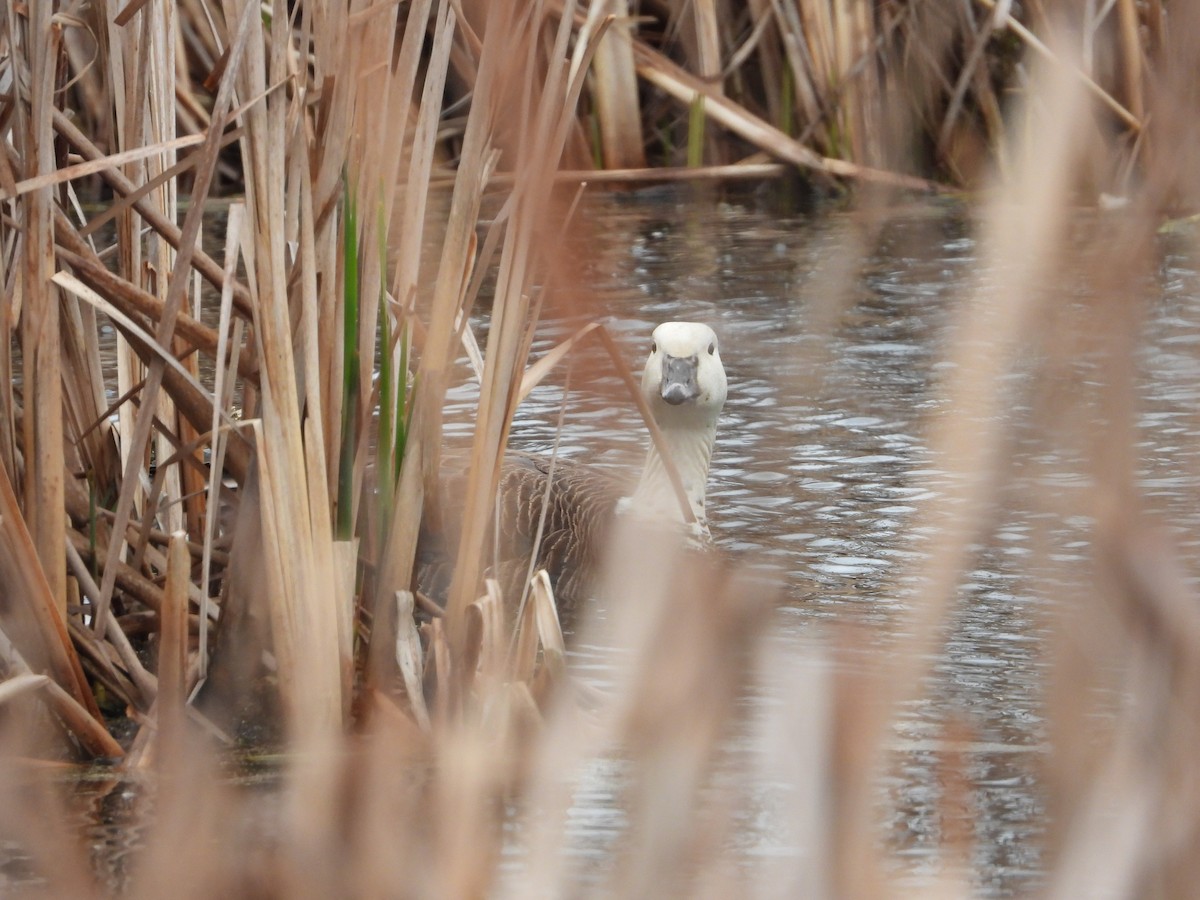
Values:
[(821, 464)]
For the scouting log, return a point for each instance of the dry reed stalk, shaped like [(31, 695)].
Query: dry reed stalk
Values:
[(343, 554), (35, 620), (190, 466), (767, 44), (171, 701), (126, 70), (816, 32), (159, 125), (39, 301), (871, 134), (706, 38), (137, 441), (804, 83), (751, 169), (297, 533), (1130, 43), (223, 383), (345, 155), (708, 41), (8, 327), (410, 660), (381, 114), (548, 112), (423, 448), (549, 628), (133, 199), (614, 91), (146, 685), (1154, 25), (495, 741), (1126, 630), (319, 229), (659, 71), (494, 637), (846, 49), (1030, 39), (416, 184), (966, 75), (340, 81), (1124, 784)]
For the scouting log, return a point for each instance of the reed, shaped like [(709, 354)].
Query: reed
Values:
[(267, 477), (618, 113)]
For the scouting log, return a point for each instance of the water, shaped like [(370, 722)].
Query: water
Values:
[(822, 463), (820, 466), (832, 330)]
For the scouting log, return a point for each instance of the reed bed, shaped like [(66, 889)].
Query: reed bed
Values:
[(226, 536)]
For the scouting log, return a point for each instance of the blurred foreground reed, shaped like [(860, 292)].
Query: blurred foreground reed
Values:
[(316, 431)]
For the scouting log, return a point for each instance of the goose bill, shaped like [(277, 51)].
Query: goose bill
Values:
[(679, 379)]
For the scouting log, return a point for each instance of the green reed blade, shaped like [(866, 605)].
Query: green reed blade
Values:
[(350, 369)]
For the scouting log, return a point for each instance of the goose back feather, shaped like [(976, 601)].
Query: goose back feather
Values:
[(581, 504)]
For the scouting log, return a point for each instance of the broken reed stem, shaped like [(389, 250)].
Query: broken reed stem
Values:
[(173, 649)]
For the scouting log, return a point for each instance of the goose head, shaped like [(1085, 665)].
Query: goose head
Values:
[(685, 386), (684, 381)]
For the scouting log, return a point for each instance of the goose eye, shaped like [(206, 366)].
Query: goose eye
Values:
[(653, 347), (712, 348)]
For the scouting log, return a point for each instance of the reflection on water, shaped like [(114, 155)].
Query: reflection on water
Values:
[(820, 466)]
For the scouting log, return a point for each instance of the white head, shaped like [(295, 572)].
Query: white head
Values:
[(684, 384), (684, 378)]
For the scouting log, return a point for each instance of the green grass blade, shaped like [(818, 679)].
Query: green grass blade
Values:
[(350, 369)]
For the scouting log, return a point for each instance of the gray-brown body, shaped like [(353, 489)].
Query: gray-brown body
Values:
[(581, 504)]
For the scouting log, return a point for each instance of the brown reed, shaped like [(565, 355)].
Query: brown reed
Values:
[(318, 110)]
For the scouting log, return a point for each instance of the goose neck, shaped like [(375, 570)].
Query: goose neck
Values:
[(690, 450)]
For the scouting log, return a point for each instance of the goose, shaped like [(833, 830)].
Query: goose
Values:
[(684, 385)]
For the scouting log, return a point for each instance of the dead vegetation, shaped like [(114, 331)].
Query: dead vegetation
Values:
[(357, 136)]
